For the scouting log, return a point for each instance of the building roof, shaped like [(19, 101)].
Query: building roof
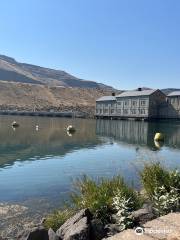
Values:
[(137, 93), (106, 98), (176, 93)]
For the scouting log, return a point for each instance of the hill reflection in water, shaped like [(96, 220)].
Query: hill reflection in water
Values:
[(25, 143)]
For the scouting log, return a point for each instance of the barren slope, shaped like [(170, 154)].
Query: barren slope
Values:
[(29, 97)]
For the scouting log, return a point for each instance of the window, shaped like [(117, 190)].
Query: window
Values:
[(125, 111), (126, 103), (143, 102), (142, 111), (133, 111), (119, 111), (119, 103), (112, 110), (134, 103)]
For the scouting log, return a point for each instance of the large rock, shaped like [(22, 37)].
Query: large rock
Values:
[(112, 229), (142, 215), (129, 235), (77, 227), (52, 235), (97, 229)]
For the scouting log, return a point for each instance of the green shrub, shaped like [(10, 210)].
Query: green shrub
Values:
[(165, 201), (162, 187), (98, 196), (56, 219), (153, 176), (123, 207)]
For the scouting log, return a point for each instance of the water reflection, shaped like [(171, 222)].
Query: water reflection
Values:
[(27, 142), (141, 133)]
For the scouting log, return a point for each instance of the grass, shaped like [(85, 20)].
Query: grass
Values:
[(57, 218), (162, 187), (98, 195), (106, 197), (152, 176)]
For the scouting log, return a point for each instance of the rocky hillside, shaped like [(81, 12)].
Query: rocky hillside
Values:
[(29, 87), (30, 97), (13, 71)]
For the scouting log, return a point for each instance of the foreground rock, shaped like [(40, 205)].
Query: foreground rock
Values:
[(165, 227), (77, 227)]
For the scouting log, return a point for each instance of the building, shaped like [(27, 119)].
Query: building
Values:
[(140, 104), (174, 100)]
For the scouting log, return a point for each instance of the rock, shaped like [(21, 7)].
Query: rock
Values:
[(142, 215), (37, 233), (97, 229), (175, 236), (112, 229), (129, 235), (77, 227), (52, 235)]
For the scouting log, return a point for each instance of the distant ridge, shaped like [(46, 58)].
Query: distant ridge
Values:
[(13, 71)]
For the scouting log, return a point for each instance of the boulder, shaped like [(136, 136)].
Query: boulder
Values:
[(77, 227), (52, 235), (97, 229), (142, 215), (112, 229)]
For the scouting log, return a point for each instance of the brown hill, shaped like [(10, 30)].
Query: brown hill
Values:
[(11, 70), (30, 97)]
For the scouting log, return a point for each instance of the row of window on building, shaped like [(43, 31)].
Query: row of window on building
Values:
[(122, 111), (124, 103)]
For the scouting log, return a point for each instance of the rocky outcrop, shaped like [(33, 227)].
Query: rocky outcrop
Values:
[(77, 227), (165, 228)]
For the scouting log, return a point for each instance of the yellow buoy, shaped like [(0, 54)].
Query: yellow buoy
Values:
[(158, 144), (70, 129), (159, 137), (15, 124)]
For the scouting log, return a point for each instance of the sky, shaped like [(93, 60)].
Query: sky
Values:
[(122, 43)]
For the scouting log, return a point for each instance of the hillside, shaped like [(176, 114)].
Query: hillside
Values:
[(30, 97), (13, 71)]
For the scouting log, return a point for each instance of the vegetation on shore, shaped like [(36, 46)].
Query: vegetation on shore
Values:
[(108, 197)]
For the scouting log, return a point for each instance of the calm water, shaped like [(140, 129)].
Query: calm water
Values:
[(41, 164)]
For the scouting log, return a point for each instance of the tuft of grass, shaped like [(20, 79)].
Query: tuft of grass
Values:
[(162, 186), (152, 176), (98, 195), (58, 218)]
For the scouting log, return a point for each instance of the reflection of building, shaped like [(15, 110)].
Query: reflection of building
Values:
[(139, 132), (143, 104), (132, 132)]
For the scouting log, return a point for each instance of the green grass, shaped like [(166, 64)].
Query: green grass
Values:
[(56, 219), (152, 176), (162, 187), (98, 195)]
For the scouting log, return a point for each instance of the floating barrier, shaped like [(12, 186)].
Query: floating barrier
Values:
[(159, 137), (15, 124), (70, 129)]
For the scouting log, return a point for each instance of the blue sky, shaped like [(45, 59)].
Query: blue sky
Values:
[(123, 43)]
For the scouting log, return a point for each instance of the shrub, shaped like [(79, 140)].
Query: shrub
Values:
[(56, 219), (123, 207), (152, 177), (163, 188), (165, 201), (98, 196)]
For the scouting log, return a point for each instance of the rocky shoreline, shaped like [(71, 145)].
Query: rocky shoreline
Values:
[(83, 226)]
